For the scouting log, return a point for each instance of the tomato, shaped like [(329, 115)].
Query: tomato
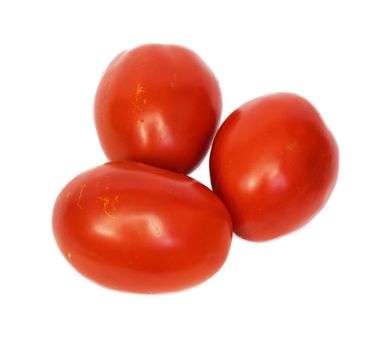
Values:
[(159, 105), (137, 228), (274, 163)]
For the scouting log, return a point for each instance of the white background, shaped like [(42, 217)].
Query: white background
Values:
[(314, 289)]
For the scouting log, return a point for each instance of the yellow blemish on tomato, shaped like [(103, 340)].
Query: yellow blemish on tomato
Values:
[(291, 146), (139, 90), (109, 206), (79, 198), (173, 81), (139, 98)]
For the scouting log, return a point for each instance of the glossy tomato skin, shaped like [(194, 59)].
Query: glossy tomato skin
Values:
[(159, 105), (137, 228), (274, 163)]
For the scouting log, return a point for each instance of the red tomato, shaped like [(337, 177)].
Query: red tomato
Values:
[(137, 228), (274, 163), (158, 104)]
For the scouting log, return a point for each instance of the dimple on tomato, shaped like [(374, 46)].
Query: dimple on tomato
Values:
[(137, 228), (159, 105), (274, 163)]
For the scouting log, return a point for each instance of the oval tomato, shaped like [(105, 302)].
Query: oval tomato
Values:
[(137, 228), (158, 104), (274, 163)]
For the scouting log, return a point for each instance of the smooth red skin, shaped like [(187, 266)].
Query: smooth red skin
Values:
[(274, 163), (159, 105), (137, 228)]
